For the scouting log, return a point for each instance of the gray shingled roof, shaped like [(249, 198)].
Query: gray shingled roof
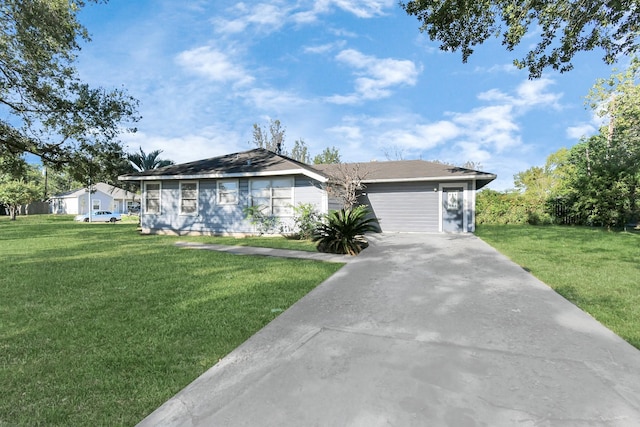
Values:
[(248, 163), (409, 170), (115, 192), (263, 162)]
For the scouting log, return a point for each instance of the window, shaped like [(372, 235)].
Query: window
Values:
[(188, 198), (274, 196), (152, 198), (452, 201), (228, 192), (95, 204)]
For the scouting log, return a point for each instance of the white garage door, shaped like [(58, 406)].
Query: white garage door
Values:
[(406, 207)]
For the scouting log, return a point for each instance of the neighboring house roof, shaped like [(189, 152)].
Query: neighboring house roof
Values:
[(406, 171), (256, 162), (261, 162), (115, 192)]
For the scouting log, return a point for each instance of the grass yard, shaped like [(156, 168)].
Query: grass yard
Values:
[(597, 270), (99, 325)]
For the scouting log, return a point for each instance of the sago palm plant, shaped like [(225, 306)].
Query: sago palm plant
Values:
[(343, 231)]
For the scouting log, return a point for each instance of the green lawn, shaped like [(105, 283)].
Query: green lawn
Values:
[(100, 325), (597, 270)]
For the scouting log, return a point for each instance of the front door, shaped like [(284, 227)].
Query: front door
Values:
[(452, 209)]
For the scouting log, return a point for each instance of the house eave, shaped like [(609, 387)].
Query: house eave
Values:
[(307, 173), (431, 179)]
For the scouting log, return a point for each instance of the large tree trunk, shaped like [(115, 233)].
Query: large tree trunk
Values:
[(13, 212)]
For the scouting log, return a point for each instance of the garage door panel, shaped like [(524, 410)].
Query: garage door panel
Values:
[(410, 207)]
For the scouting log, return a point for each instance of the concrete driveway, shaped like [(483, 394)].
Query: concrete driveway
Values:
[(421, 330)]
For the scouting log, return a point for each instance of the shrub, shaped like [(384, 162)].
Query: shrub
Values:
[(263, 223), (306, 219), (343, 231)]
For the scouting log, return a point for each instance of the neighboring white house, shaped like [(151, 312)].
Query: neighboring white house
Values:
[(209, 196), (104, 197)]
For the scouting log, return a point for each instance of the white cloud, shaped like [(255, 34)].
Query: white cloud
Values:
[(207, 142), (214, 65), (273, 100), (365, 8), (482, 134), (265, 17), (422, 137), (272, 16), (580, 131), (529, 94), (376, 76), (494, 126), (498, 68), (346, 132), (534, 92), (324, 48)]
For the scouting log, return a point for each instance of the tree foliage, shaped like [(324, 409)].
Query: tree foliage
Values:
[(607, 165), (300, 152), (595, 182), (566, 27), (271, 139), (147, 161), (48, 110), (15, 193), (330, 155)]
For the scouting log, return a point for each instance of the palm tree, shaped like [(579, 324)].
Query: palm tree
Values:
[(144, 162)]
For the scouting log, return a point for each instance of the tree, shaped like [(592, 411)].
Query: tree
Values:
[(566, 27), (144, 162), (300, 152), (345, 183), (607, 166), (50, 112), (328, 156), (272, 139), (15, 193), (393, 152), (470, 164)]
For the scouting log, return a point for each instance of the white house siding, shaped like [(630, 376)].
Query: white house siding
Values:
[(86, 201), (404, 207), (307, 191), (78, 202), (65, 205), (213, 218)]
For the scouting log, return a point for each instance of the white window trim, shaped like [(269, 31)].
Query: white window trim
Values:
[(270, 207), (218, 201), (144, 198), (197, 198)]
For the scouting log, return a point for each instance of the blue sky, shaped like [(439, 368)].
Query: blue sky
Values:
[(357, 75)]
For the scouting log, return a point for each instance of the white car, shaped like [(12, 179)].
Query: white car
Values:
[(99, 216)]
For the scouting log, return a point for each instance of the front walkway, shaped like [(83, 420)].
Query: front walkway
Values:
[(421, 330), (280, 253)]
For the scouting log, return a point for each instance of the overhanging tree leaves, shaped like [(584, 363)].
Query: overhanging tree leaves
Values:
[(44, 107), (566, 27)]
